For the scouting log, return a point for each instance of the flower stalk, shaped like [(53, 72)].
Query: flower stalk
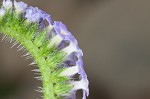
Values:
[(53, 48)]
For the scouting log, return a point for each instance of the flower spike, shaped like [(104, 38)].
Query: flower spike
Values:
[(54, 49)]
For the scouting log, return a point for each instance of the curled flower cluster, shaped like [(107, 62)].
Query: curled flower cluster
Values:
[(56, 44)]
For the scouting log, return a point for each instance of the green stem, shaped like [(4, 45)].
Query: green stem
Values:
[(48, 88)]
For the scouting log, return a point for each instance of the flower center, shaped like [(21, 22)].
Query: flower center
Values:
[(63, 32)]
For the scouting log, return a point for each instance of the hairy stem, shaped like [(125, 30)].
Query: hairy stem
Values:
[(35, 52)]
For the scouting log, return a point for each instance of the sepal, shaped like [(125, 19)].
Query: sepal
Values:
[(62, 89)]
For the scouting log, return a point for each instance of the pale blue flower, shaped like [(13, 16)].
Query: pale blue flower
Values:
[(2, 12), (7, 4), (32, 14), (46, 16), (62, 31), (73, 51), (20, 6)]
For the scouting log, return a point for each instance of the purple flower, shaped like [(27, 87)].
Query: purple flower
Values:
[(20, 6), (70, 60), (62, 31), (46, 16), (72, 51), (61, 34), (32, 14), (63, 44), (2, 12), (75, 59), (79, 63), (82, 84), (7, 4)]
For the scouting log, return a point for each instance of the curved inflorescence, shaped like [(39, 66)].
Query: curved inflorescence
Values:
[(52, 46)]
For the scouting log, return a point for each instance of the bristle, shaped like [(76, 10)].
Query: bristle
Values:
[(26, 54), (38, 74), (14, 44), (8, 39), (11, 40), (4, 37), (38, 78), (39, 90), (21, 48), (28, 57), (19, 45), (36, 70)]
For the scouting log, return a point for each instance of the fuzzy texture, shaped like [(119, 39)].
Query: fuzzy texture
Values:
[(53, 48)]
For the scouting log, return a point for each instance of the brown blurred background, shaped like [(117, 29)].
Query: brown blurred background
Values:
[(115, 38)]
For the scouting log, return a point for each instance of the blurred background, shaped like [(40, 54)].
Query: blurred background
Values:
[(115, 38)]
